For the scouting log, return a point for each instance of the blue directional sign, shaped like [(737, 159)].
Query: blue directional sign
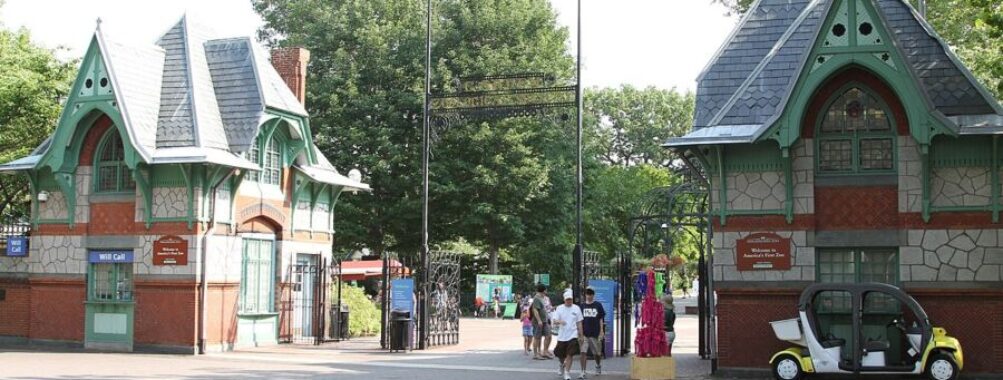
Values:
[(17, 246), (106, 257), (605, 293)]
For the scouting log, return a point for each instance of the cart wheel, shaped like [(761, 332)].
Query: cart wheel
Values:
[(787, 368), (941, 366)]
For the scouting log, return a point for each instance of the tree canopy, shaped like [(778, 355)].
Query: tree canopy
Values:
[(504, 186), (33, 84)]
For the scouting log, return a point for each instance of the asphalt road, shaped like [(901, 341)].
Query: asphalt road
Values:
[(489, 349)]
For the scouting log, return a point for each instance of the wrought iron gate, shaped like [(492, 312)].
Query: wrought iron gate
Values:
[(304, 310), (443, 284)]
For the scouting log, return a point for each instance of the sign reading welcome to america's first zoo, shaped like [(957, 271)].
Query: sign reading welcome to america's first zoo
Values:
[(763, 251)]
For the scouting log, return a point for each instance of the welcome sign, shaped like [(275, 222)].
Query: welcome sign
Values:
[(763, 251)]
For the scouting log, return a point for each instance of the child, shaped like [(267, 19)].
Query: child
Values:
[(527, 329)]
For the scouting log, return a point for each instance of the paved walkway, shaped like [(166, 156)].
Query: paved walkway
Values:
[(489, 349)]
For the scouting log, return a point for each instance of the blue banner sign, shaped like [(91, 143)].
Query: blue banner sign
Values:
[(402, 295), (605, 294), (104, 257), (17, 246)]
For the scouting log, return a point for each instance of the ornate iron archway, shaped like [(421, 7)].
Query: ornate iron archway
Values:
[(662, 217)]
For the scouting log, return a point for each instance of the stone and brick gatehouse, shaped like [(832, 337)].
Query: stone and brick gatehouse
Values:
[(179, 186), (851, 129)]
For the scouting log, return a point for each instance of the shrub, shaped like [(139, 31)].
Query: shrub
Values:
[(363, 316)]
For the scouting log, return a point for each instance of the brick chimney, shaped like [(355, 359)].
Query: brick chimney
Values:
[(291, 65)]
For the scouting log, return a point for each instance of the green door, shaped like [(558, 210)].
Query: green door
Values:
[(257, 321), (109, 310)]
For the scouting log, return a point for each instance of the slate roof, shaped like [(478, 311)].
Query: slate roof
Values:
[(193, 97), (745, 87)]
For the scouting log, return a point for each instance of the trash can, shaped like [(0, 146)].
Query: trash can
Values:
[(400, 331), (343, 323)]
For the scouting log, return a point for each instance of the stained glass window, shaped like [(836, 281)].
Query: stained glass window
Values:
[(855, 134)]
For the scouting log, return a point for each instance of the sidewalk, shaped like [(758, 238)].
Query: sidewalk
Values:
[(489, 349)]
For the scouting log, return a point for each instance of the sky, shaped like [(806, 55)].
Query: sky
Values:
[(661, 43)]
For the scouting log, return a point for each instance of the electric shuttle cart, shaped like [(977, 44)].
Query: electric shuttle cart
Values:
[(859, 329)]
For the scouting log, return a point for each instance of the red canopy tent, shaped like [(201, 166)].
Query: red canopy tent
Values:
[(361, 270)]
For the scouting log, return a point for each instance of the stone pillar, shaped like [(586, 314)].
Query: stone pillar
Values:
[(291, 65)]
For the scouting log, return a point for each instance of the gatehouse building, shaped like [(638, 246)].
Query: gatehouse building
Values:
[(170, 206), (847, 139)]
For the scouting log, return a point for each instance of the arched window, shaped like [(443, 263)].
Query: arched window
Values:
[(855, 134), (112, 173), (270, 162)]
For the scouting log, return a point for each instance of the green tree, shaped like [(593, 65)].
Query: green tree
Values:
[(364, 94), (628, 126), (33, 84)]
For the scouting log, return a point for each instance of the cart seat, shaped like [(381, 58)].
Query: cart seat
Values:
[(833, 342), (876, 345)]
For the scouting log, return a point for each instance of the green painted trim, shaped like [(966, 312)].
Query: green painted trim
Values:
[(166, 176), (788, 185), (994, 172), (723, 191), (986, 208), (752, 158), (50, 221), (757, 212), (189, 177), (271, 276), (301, 185), (67, 185), (146, 190), (333, 195), (925, 163), (235, 183), (79, 108), (858, 260), (33, 188), (923, 122)]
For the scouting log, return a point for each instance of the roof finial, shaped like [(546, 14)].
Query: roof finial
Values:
[(98, 22)]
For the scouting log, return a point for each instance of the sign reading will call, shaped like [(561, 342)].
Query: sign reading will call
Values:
[(106, 257)]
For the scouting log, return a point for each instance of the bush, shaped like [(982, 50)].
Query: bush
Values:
[(363, 316)]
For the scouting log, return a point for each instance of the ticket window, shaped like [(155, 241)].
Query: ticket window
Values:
[(109, 310), (110, 282)]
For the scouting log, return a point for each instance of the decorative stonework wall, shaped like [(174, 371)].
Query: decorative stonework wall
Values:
[(951, 256), (170, 202), (84, 183), (803, 174), (301, 219), (322, 217), (57, 255), (53, 209), (961, 186), (726, 269), (910, 173), (755, 191)]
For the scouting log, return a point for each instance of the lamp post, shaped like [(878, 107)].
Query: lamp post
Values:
[(579, 254), (425, 267)]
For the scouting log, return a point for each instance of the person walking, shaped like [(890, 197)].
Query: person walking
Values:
[(527, 327), (541, 323), (670, 321), (594, 328), (568, 318)]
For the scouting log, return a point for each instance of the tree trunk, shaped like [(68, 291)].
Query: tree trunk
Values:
[(493, 258)]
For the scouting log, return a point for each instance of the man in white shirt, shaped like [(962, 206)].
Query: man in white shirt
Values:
[(568, 318)]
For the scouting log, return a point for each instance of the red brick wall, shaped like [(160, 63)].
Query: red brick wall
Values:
[(165, 313), (974, 317), (112, 218), (57, 309), (15, 309), (92, 138), (856, 208), (221, 313), (746, 339)]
